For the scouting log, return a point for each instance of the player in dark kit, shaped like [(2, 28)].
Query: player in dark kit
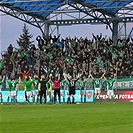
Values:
[(43, 88), (72, 82)]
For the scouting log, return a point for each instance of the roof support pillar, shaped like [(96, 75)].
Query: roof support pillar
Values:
[(125, 25), (115, 30), (46, 29), (57, 30)]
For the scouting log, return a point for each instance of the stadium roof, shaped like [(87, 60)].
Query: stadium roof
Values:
[(43, 8)]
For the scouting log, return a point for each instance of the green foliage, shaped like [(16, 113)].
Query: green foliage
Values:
[(24, 39), (81, 118)]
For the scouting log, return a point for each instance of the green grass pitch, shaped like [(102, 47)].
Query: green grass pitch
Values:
[(63, 118)]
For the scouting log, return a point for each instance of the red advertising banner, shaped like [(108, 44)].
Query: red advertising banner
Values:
[(120, 96)]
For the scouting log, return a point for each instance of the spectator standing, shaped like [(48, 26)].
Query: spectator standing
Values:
[(10, 49), (25, 74), (40, 42)]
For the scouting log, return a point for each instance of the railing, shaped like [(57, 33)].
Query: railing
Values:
[(121, 84)]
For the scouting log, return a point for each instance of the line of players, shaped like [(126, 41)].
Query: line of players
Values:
[(54, 85)]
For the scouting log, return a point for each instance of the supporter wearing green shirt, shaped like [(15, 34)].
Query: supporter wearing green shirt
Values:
[(23, 52)]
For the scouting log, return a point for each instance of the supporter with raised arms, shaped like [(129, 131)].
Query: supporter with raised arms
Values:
[(74, 55), (25, 74)]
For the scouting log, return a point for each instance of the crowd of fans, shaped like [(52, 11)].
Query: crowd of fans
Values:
[(70, 55)]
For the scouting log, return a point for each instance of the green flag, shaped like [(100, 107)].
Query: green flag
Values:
[(1, 64)]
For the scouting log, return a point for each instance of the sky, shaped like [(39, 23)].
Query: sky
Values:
[(11, 28)]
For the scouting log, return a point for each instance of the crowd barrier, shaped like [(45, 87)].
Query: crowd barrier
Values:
[(21, 96), (120, 84), (120, 96)]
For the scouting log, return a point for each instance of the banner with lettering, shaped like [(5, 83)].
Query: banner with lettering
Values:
[(120, 96), (124, 83), (21, 96)]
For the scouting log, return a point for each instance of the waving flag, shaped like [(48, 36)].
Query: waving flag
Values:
[(1, 64)]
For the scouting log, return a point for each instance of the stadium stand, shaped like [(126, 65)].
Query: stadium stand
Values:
[(70, 55)]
